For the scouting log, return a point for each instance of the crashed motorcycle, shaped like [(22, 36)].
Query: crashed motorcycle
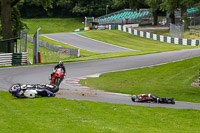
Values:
[(57, 77), (32, 90), (150, 98)]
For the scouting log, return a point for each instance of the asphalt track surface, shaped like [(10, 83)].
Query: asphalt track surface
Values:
[(70, 88), (82, 42)]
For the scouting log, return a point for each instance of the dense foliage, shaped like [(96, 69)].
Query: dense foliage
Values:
[(11, 10)]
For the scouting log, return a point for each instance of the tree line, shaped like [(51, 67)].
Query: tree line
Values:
[(13, 10)]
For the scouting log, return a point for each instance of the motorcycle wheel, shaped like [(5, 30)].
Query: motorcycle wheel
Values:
[(172, 102), (58, 81), (54, 89), (133, 98), (13, 86)]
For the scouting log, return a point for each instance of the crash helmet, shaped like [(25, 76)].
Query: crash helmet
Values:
[(133, 98), (14, 89), (30, 93), (60, 63)]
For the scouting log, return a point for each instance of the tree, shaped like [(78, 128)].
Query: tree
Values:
[(154, 7), (7, 7), (184, 4), (86, 7), (170, 6), (6, 10), (133, 4)]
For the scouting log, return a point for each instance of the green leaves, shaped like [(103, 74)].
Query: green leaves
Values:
[(153, 4), (46, 3)]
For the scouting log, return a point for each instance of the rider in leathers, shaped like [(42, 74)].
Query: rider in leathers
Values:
[(59, 65)]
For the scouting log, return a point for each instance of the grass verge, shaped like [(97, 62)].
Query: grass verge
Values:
[(47, 56), (84, 53), (168, 80), (119, 38), (52, 115), (143, 45), (187, 34), (53, 25)]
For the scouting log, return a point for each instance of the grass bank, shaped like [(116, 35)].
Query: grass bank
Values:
[(168, 80), (47, 56), (53, 25), (187, 34), (83, 53), (123, 39), (52, 115), (119, 38)]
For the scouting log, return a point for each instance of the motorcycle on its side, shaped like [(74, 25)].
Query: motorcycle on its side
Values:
[(57, 77), (32, 90), (145, 98)]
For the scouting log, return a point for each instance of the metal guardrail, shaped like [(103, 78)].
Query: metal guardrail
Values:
[(70, 51), (9, 59), (5, 59), (160, 38)]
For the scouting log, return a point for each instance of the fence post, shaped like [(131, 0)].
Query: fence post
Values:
[(35, 46), (199, 77)]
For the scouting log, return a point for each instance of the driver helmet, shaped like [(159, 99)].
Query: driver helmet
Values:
[(60, 63)]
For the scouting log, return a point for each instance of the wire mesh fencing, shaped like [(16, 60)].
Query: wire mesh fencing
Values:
[(177, 30), (23, 41), (49, 56)]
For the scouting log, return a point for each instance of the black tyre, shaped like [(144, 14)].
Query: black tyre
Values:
[(54, 89), (14, 86), (172, 102), (133, 98), (57, 81)]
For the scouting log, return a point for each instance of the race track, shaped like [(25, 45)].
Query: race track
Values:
[(82, 42), (77, 70)]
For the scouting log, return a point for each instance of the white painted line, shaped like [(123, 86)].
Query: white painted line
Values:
[(118, 94), (103, 42), (65, 42)]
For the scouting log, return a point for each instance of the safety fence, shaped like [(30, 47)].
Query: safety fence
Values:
[(174, 40), (161, 38), (46, 57), (56, 48), (13, 59)]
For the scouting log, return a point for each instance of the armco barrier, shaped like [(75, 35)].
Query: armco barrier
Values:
[(56, 48), (9, 59), (152, 36), (161, 38), (6, 59)]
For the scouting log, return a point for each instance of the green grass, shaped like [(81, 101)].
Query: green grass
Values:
[(186, 34), (168, 80), (161, 32), (83, 53), (47, 56), (119, 38), (127, 40), (50, 115), (54, 25)]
